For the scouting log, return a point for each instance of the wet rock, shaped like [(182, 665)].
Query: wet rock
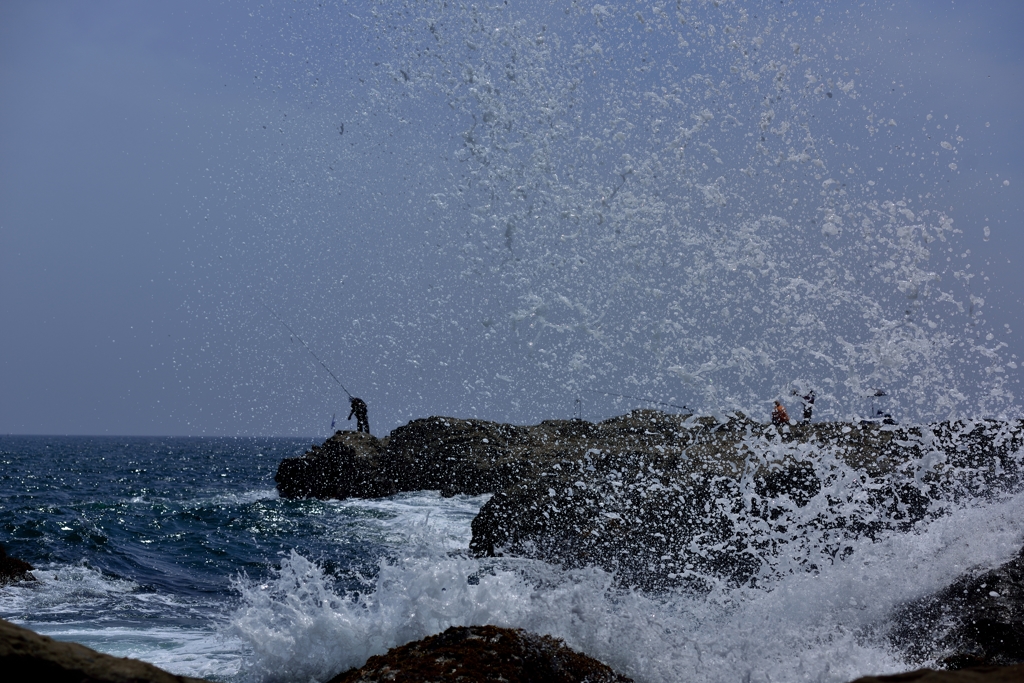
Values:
[(28, 656), (12, 569), (482, 653), (438, 453), (687, 503), (673, 500), (978, 620), (988, 674), (349, 464)]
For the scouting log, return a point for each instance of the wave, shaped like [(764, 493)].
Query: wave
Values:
[(236, 498), (63, 589), (81, 604), (201, 653), (829, 626), (401, 519)]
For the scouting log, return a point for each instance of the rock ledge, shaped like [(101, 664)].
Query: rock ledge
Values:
[(27, 656)]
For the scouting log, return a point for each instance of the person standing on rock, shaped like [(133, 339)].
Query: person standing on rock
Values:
[(808, 405), (359, 410)]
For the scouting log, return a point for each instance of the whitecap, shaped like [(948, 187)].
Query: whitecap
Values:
[(827, 626)]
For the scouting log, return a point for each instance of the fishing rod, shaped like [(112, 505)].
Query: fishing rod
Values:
[(636, 398), (293, 333)]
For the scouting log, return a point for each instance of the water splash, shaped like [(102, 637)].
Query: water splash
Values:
[(704, 202), (661, 194), (829, 626)]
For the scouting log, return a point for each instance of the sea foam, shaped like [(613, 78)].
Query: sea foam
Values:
[(827, 626)]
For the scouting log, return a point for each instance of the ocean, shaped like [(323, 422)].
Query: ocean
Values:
[(178, 551), (149, 547), (506, 210)]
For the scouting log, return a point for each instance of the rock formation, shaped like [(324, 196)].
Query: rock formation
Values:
[(988, 674), (437, 453), (27, 656), (664, 499), (978, 620), (693, 501), (12, 569), (468, 654), (672, 500)]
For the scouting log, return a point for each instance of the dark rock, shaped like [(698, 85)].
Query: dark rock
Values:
[(988, 674), (348, 464), (28, 656), (482, 653), (664, 499), (685, 502), (12, 569), (978, 620), (438, 453)]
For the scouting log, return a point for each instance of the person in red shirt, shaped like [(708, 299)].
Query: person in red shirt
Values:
[(780, 417)]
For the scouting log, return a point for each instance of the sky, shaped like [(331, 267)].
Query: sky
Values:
[(508, 214)]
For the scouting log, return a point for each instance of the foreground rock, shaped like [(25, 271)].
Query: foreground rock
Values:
[(27, 656), (12, 569), (992, 674), (489, 653), (978, 620), (482, 653)]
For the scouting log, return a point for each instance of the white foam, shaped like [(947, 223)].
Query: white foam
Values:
[(201, 653), (825, 627), (240, 498), (53, 605), (62, 589), (403, 518)]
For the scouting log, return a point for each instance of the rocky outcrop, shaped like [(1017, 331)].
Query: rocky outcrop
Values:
[(475, 456), (12, 569), (28, 656), (437, 453), (347, 465), (987, 674), (489, 653), (663, 499), (482, 653), (687, 502), (978, 620)]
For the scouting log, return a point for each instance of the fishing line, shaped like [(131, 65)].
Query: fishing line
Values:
[(304, 344), (636, 398)]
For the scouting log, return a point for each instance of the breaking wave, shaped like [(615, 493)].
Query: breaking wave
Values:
[(828, 625)]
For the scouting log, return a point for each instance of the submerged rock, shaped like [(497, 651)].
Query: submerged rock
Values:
[(27, 656), (978, 620), (482, 653), (12, 569), (985, 674)]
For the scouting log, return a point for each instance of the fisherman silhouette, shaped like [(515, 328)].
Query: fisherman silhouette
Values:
[(359, 410), (808, 405)]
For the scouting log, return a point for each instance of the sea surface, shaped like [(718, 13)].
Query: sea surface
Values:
[(178, 551)]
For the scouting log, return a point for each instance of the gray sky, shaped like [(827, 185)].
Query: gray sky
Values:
[(494, 214)]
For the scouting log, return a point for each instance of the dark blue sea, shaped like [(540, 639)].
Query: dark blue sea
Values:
[(178, 551), (144, 547)]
